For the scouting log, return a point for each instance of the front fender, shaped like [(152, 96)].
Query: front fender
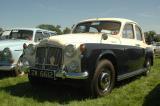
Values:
[(105, 54), (16, 54)]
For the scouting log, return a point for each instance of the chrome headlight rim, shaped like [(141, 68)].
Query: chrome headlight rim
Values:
[(7, 52), (70, 50)]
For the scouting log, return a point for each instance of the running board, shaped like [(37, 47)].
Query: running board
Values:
[(131, 74)]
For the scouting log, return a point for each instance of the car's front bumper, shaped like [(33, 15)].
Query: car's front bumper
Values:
[(72, 75), (59, 74), (7, 67)]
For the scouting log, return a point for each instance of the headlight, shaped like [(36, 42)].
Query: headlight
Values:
[(70, 50), (73, 66), (30, 50), (6, 53)]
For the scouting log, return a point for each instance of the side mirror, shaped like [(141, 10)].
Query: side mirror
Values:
[(104, 36)]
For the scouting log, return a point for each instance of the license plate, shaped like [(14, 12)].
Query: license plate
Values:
[(42, 73)]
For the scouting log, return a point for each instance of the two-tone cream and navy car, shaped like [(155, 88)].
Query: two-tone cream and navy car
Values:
[(12, 44), (97, 53)]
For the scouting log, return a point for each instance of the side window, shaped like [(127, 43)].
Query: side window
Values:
[(81, 29), (128, 31), (46, 34), (39, 36), (52, 34), (138, 33), (92, 29)]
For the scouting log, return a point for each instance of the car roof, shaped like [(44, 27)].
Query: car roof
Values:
[(109, 19), (34, 29)]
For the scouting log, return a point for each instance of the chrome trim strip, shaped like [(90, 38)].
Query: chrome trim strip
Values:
[(131, 74), (19, 50)]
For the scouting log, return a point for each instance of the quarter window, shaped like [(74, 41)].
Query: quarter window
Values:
[(128, 31), (39, 36), (138, 33), (46, 34)]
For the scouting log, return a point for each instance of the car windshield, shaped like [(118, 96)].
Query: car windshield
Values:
[(5, 34), (97, 27), (21, 34)]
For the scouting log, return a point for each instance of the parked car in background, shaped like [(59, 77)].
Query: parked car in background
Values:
[(96, 54), (156, 46), (11, 48)]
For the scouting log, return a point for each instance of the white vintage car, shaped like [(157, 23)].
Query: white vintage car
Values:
[(156, 47), (11, 48), (96, 54)]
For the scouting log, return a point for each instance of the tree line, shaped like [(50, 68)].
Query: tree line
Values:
[(56, 28), (151, 37)]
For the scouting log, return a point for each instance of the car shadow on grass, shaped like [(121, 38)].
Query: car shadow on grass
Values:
[(5, 74), (127, 81), (153, 98), (61, 94)]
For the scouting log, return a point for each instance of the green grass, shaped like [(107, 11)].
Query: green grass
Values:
[(137, 91)]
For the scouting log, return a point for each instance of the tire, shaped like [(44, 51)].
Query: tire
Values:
[(17, 71), (103, 79), (147, 66)]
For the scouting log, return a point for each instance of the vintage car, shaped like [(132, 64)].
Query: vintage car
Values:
[(96, 54), (156, 47), (15, 40)]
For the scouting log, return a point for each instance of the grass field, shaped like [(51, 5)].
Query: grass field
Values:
[(137, 91)]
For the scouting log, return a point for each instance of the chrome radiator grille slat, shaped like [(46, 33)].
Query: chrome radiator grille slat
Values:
[(48, 57)]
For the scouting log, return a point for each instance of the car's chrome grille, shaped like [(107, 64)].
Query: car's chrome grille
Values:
[(48, 57)]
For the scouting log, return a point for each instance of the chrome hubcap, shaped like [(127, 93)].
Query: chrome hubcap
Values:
[(104, 81)]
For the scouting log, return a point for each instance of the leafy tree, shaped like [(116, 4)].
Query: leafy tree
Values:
[(56, 28), (1, 31), (149, 36), (66, 30), (157, 38)]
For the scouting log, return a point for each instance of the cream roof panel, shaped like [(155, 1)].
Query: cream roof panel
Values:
[(123, 20)]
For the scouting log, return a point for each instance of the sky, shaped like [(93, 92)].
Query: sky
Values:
[(30, 13)]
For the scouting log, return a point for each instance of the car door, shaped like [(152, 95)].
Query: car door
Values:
[(131, 53), (140, 44)]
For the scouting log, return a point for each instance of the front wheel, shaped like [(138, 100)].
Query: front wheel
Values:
[(103, 79)]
